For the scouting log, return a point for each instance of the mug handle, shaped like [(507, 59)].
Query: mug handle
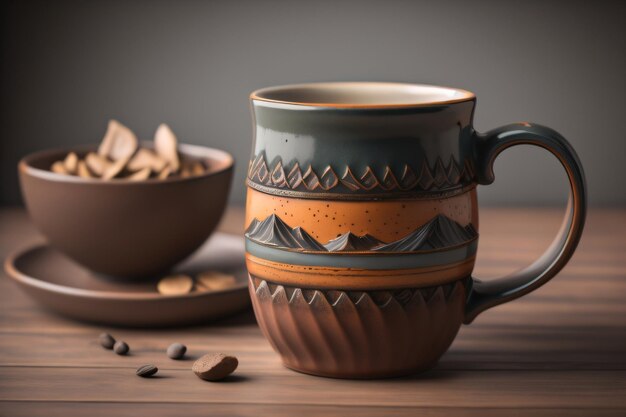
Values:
[(484, 295)]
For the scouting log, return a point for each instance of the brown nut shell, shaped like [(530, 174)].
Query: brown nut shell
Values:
[(215, 366)]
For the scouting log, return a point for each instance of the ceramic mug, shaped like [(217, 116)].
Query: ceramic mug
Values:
[(362, 223)]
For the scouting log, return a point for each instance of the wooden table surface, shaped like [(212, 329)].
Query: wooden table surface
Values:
[(559, 351)]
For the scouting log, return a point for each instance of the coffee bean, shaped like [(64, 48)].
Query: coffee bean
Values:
[(147, 371), (215, 366), (176, 351), (106, 340), (121, 348)]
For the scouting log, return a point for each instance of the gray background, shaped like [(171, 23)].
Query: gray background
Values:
[(67, 67)]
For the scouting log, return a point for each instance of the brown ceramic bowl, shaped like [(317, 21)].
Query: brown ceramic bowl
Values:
[(121, 228)]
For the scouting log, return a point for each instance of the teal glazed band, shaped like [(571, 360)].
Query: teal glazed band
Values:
[(360, 153)]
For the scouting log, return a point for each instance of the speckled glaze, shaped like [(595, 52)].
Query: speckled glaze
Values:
[(362, 195)]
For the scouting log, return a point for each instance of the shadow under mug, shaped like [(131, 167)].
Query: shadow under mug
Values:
[(362, 223)]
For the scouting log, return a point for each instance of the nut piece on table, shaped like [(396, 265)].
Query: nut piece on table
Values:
[(215, 366), (175, 285), (106, 341), (121, 348), (176, 351)]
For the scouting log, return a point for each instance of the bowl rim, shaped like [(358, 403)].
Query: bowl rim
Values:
[(225, 159)]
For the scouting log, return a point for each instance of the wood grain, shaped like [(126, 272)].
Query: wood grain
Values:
[(558, 351), (436, 388), (121, 409)]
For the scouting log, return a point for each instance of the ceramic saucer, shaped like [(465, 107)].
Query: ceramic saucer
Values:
[(60, 284)]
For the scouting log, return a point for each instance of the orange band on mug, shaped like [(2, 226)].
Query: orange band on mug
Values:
[(357, 279)]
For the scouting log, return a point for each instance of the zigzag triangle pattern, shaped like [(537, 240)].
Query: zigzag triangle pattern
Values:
[(359, 334), (380, 298), (438, 177)]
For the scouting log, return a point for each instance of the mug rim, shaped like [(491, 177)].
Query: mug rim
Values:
[(439, 95)]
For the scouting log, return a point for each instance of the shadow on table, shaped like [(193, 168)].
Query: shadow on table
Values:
[(538, 347), (242, 318)]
